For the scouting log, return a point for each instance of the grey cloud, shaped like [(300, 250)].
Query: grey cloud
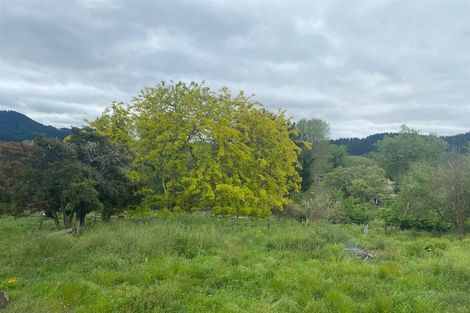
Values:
[(364, 66)]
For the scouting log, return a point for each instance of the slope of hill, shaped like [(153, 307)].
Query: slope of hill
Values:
[(15, 126), (458, 143), (363, 146)]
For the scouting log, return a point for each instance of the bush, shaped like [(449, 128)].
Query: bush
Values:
[(432, 222), (356, 212), (322, 206)]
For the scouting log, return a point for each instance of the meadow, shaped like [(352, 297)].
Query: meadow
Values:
[(188, 263)]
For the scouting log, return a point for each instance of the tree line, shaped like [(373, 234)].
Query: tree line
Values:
[(73, 177), (185, 147), (366, 146)]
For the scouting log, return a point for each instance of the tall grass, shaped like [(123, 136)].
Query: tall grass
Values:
[(207, 264)]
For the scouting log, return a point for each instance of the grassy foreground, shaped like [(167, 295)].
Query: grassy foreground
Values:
[(208, 264)]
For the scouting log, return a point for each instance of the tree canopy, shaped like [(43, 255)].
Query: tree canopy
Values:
[(440, 192), (83, 173), (313, 130), (184, 147), (207, 150), (396, 154), (318, 156)]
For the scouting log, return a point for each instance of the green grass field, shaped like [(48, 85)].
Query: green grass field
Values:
[(209, 264)]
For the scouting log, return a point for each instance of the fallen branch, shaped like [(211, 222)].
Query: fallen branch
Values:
[(362, 254), (63, 231), (4, 299)]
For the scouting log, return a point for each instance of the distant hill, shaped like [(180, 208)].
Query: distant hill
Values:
[(364, 146), (15, 126), (457, 143)]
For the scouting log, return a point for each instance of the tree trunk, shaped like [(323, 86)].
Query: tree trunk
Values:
[(68, 216), (77, 225), (105, 216), (56, 220), (82, 219), (41, 220), (165, 193), (460, 222)]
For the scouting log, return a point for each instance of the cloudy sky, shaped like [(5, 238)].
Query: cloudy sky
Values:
[(364, 67)]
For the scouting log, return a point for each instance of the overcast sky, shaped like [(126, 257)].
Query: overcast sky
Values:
[(364, 67)]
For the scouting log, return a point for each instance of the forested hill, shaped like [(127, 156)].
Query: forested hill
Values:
[(457, 143), (363, 146), (15, 126)]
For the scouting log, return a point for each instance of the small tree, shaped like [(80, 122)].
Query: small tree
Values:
[(313, 130), (110, 164), (396, 154), (442, 191), (365, 183), (81, 197), (13, 168), (325, 205), (317, 155)]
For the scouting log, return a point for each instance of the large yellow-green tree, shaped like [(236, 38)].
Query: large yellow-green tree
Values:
[(199, 149)]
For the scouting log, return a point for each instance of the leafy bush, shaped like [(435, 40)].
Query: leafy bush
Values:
[(322, 206), (431, 222), (356, 212)]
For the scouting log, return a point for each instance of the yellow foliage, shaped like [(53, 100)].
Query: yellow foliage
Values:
[(207, 150)]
